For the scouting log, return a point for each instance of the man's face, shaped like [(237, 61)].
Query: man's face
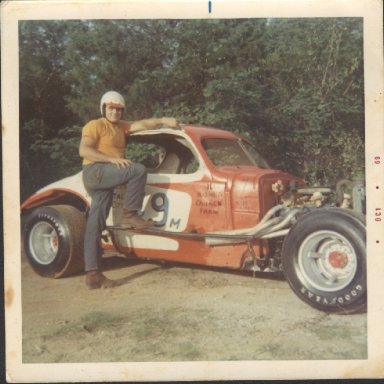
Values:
[(113, 114)]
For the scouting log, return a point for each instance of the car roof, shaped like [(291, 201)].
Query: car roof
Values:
[(204, 131), (192, 130)]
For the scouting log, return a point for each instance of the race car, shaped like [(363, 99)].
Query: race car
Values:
[(215, 202)]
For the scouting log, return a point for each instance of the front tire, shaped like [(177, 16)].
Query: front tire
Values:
[(53, 240), (324, 260)]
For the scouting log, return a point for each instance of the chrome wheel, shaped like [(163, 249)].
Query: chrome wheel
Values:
[(43, 243), (326, 261), (53, 240)]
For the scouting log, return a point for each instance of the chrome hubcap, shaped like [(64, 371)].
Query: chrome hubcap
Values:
[(43, 243), (326, 261)]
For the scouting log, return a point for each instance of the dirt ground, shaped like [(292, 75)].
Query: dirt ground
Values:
[(178, 313)]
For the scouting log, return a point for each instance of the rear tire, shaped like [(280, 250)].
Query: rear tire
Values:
[(53, 240), (324, 260)]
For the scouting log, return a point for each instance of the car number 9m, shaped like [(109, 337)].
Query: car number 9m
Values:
[(160, 203), (169, 209)]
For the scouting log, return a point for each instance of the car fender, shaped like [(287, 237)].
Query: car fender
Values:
[(69, 191)]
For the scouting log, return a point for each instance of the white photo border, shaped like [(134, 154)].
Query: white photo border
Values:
[(370, 10)]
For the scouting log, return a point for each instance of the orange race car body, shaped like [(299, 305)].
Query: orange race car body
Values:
[(215, 202)]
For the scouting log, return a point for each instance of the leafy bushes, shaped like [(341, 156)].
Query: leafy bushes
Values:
[(293, 86)]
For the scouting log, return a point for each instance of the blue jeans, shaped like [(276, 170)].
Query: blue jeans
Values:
[(99, 180)]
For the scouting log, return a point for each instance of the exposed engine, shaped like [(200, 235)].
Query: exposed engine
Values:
[(277, 222)]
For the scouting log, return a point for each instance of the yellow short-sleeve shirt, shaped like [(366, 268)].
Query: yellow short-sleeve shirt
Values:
[(110, 138)]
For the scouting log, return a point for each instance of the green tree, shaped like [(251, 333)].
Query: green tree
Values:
[(294, 86), (317, 111), (42, 101), (112, 55)]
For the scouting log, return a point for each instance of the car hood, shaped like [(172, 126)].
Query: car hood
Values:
[(257, 190), (232, 173)]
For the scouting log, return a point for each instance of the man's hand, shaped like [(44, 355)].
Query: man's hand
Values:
[(154, 123), (170, 122), (88, 150), (121, 163)]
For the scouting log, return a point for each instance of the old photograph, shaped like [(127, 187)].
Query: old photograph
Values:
[(197, 191)]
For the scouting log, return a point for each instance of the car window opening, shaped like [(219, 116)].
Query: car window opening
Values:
[(226, 152), (162, 154)]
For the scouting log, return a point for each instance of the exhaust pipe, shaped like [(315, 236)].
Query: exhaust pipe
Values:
[(266, 226)]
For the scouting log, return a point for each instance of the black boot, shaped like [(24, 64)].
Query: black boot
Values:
[(133, 220), (95, 279)]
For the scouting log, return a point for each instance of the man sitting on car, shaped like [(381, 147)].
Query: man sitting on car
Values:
[(105, 167)]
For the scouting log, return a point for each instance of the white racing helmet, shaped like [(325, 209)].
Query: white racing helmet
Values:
[(111, 98)]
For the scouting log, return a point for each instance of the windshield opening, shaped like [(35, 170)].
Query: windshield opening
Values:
[(225, 152)]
